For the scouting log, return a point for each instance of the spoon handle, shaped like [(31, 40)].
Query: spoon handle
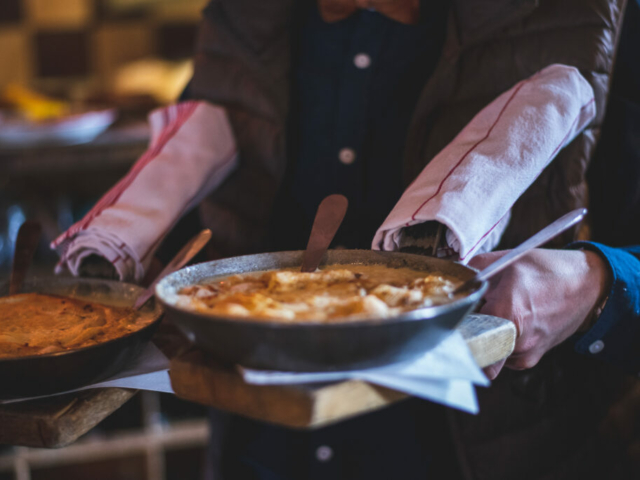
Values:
[(180, 260), (543, 236), (26, 245), (329, 216)]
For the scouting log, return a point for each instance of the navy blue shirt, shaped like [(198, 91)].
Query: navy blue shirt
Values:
[(356, 84)]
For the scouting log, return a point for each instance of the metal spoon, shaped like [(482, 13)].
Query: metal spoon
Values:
[(26, 244), (187, 252), (538, 239), (329, 216)]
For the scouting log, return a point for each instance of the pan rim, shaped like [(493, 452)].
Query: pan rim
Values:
[(420, 314)]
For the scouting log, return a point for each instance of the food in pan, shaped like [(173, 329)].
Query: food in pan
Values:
[(35, 324), (336, 293)]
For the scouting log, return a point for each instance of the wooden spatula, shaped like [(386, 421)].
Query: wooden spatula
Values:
[(329, 216), (187, 252)]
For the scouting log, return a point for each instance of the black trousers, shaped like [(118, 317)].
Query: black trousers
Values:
[(408, 441)]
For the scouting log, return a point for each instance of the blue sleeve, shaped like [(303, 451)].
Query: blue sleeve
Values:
[(615, 337)]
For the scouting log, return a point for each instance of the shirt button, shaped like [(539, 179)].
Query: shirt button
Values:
[(324, 453), (362, 60), (596, 347), (347, 156)]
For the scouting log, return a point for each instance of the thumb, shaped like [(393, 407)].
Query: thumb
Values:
[(493, 370)]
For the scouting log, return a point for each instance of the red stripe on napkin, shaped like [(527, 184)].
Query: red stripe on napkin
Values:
[(553, 154), (182, 113), (515, 92)]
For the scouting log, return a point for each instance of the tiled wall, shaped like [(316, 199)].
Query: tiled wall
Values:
[(48, 42)]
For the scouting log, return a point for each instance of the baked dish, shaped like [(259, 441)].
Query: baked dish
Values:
[(35, 324), (335, 294)]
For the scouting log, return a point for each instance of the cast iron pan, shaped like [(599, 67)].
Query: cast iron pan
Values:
[(317, 347), (58, 372)]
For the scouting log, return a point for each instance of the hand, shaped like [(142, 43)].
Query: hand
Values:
[(547, 294)]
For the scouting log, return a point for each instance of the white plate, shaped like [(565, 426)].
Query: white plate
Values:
[(73, 130)]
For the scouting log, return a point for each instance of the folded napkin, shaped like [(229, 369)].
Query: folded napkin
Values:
[(192, 150), (445, 374), (149, 371), (471, 185)]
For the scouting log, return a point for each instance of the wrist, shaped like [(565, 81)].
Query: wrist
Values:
[(599, 278)]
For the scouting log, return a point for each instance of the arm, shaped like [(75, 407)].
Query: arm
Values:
[(191, 152), (237, 97), (471, 185)]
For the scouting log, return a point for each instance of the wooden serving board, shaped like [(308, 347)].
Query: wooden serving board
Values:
[(59, 421), (197, 377)]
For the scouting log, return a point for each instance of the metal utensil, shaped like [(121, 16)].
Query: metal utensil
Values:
[(538, 239), (329, 216), (187, 252), (26, 244)]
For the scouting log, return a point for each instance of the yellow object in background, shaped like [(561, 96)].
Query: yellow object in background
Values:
[(34, 105), (161, 79)]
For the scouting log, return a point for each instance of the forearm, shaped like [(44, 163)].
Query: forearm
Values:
[(192, 151), (473, 183)]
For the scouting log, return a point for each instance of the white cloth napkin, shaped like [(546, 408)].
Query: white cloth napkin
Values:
[(446, 374), (471, 185), (149, 371), (192, 151)]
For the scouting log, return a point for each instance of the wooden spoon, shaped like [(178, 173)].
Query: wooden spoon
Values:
[(187, 252), (329, 216), (26, 245)]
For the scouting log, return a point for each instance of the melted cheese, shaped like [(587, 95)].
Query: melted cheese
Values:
[(337, 293), (34, 324)]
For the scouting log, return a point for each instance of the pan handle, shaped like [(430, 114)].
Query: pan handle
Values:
[(423, 238)]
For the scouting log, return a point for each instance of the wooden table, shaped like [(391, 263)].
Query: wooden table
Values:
[(59, 421)]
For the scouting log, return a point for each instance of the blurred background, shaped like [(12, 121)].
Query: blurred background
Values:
[(77, 80)]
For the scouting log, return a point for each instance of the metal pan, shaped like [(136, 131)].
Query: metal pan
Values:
[(58, 372), (317, 347)]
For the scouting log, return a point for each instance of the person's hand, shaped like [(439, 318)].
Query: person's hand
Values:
[(548, 295)]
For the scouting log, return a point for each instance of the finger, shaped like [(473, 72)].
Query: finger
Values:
[(523, 361), (493, 370)]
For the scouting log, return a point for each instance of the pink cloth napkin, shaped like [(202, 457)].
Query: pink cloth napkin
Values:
[(471, 185), (192, 150)]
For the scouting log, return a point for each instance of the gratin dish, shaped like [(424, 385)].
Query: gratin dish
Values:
[(308, 347), (36, 375)]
